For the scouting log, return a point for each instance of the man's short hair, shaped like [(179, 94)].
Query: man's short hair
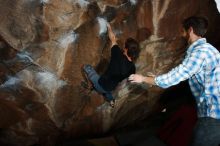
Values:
[(133, 48), (199, 25)]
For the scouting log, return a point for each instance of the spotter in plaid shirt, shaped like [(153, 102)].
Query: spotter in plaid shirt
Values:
[(202, 67)]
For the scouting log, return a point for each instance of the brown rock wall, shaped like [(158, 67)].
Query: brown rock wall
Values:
[(44, 43)]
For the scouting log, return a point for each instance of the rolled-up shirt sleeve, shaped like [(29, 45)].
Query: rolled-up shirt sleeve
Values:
[(191, 65)]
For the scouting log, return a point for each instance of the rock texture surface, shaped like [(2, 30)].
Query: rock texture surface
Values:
[(44, 43)]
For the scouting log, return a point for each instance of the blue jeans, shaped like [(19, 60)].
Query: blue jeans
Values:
[(94, 78), (207, 132)]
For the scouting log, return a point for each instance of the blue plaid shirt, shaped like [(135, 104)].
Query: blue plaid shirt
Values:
[(201, 66)]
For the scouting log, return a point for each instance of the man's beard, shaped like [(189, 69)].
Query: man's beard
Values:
[(187, 38)]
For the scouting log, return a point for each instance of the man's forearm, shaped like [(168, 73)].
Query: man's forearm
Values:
[(149, 80), (111, 35)]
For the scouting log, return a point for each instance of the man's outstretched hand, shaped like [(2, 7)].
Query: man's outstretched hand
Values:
[(136, 78)]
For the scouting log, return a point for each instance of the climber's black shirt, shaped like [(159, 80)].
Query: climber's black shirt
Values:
[(119, 68)]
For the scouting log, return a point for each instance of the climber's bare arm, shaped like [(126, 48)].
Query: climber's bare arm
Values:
[(111, 35)]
